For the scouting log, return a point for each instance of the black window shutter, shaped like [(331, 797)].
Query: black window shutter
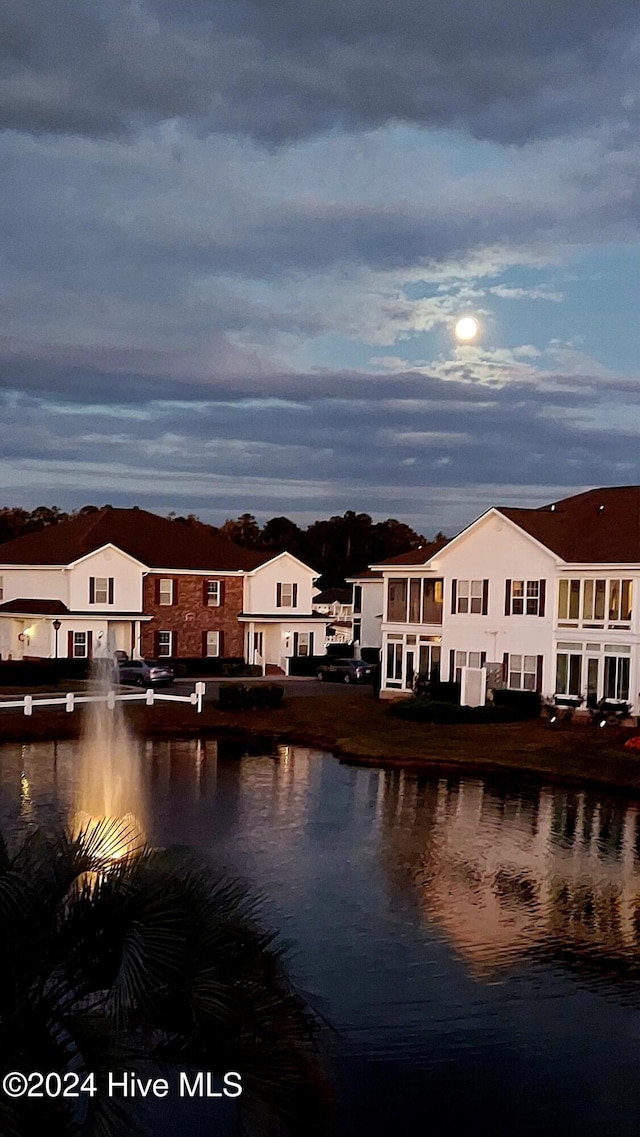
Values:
[(89, 644), (221, 643), (294, 599), (483, 658), (157, 589), (452, 666), (543, 597), (539, 673), (204, 643), (221, 592), (295, 643), (92, 589), (310, 643), (485, 597), (174, 590), (278, 596), (507, 597), (111, 590), (174, 643), (205, 592), (454, 597), (505, 667), (70, 645)]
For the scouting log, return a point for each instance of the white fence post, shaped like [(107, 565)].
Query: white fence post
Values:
[(200, 692), (28, 704), (150, 696), (70, 700), (111, 700)]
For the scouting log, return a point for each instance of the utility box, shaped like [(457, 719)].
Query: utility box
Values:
[(473, 687)]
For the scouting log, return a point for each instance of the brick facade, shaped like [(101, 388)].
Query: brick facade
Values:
[(189, 617)]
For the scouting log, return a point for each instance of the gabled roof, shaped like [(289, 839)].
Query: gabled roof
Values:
[(416, 556), (155, 541), (599, 526)]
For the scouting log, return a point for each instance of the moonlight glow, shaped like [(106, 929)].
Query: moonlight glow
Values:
[(466, 329)]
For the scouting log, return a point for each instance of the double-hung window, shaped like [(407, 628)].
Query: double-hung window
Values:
[(213, 593), (80, 645), (212, 643), (165, 593), (165, 643), (522, 672), (286, 595), (470, 596), (524, 597), (101, 590)]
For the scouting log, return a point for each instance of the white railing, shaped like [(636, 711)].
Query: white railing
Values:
[(70, 701)]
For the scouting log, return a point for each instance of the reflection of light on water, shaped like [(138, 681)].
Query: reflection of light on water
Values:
[(26, 801), (109, 809)]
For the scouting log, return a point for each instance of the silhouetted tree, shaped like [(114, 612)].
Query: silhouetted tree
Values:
[(283, 535), (243, 531)]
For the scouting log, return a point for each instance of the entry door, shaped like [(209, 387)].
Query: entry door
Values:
[(409, 668)]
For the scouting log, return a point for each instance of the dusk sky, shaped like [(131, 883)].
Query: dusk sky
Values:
[(236, 238)]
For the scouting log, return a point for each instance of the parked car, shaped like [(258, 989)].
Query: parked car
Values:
[(346, 670), (145, 673)]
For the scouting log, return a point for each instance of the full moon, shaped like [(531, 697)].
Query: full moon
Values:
[(466, 329)]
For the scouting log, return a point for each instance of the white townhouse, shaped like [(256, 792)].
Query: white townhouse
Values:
[(544, 597), (367, 601), (128, 580)]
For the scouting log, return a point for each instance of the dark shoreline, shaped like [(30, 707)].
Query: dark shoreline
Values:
[(362, 732)]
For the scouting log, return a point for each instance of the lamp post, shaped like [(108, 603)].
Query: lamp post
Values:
[(56, 627)]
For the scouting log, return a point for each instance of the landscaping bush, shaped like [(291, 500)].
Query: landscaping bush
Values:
[(524, 704), (40, 672), (238, 697), (423, 709), (440, 692)]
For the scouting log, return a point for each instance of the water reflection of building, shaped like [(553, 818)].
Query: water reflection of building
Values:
[(505, 872)]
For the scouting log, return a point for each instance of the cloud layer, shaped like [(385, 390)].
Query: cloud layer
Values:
[(236, 237)]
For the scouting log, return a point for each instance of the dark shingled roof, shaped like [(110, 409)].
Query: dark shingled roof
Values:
[(156, 541), (331, 595), (415, 556), (599, 526), (36, 607)]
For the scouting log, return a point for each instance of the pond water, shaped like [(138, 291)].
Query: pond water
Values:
[(476, 942)]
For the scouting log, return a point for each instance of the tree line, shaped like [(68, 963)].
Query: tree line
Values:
[(336, 547)]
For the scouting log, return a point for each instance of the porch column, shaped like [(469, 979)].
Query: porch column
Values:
[(252, 651)]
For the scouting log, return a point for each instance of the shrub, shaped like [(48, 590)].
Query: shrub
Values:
[(423, 709), (524, 704), (441, 692)]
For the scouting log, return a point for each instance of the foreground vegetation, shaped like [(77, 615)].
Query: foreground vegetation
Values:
[(151, 963)]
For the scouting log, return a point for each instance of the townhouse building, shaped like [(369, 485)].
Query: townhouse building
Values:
[(546, 599), (128, 580)]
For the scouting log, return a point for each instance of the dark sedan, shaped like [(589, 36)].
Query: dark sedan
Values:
[(346, 671), (145, 673)]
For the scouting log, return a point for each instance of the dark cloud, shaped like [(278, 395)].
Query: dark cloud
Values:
[(284, 70)]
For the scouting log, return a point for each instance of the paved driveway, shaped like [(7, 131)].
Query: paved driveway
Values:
[(293, 686)]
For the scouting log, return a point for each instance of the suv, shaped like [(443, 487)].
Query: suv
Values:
[(346, 670), (144, 673)]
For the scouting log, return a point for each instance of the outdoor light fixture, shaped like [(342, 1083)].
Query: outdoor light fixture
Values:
[(56, 627)]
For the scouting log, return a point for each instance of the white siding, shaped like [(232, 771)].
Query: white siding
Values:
[(127, 575), (260, 588)]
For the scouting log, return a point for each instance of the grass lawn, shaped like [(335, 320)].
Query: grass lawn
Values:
[(358, 728)]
